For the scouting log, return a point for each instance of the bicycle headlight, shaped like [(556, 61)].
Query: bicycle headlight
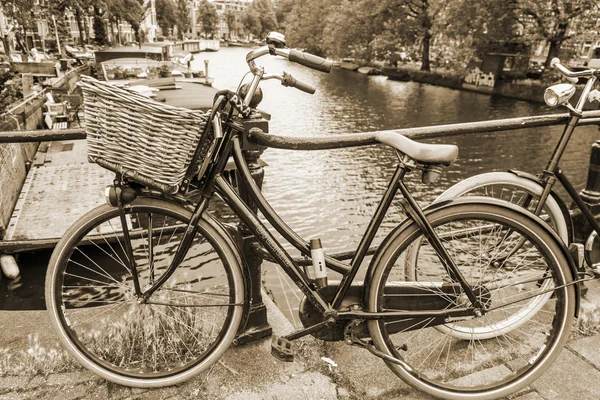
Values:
[(559, 94)]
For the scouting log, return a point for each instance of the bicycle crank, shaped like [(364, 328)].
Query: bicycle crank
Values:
[(366, 344)]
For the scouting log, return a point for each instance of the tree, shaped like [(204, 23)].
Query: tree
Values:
[(183, 17), (134, 13), (99, 28), (251, 22), (425, 15), (207, 15), (232, 19), (166, 14), (549, 20), (20, 11), (367, 19), (305, 24), (261, 18)]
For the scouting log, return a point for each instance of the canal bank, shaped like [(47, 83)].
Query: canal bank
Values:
[(528, 90)]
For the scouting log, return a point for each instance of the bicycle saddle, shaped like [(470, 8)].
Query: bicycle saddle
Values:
[(421, 152)]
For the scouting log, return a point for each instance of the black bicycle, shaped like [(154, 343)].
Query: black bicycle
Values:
[(536, 192), (150, 289)]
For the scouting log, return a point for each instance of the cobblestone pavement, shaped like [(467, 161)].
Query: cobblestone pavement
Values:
[(359, 375)]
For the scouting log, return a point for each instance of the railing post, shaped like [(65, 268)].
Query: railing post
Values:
[(590, 195), (257, 325)]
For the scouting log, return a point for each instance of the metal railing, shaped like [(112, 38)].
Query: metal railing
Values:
[(257, 325)]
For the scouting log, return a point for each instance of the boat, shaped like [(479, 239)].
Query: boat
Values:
[(349, 64), (369, 71)]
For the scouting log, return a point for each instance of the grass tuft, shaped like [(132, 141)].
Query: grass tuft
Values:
[(588, 323), (34, 360)]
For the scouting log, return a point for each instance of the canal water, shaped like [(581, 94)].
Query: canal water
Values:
[(332, 194)]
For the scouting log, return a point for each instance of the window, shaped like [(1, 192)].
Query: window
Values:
[(585, 49)]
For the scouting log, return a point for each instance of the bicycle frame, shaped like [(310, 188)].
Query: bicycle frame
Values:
[(553, 171), (283, 258)]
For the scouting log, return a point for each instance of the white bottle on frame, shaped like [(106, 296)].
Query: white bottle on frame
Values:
[(318, 263)]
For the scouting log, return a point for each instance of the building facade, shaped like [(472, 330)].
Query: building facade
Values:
[(235, 7)]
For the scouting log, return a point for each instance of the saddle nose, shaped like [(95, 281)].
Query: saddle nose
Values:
[(425, 153)]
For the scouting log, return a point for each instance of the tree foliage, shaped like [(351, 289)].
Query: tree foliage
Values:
[(183, 17), (550, 20), (232, 19), (166, 15), (260, 18), (208, 18), (10, 85), (134, 13)]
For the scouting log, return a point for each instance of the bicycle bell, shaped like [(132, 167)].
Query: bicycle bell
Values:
[(276, 39)]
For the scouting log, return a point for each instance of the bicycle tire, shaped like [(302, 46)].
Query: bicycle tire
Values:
[(484, 184), (508, 187), (443, 365), (186, 325)]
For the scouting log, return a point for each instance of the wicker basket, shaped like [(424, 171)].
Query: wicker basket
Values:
[(147, 141)]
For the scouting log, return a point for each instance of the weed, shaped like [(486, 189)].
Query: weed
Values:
[(36, 359), (588, 323)]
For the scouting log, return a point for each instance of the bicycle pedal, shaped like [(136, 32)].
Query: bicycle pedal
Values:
[(282, 349)]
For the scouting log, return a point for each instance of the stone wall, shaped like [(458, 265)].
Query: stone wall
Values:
[(14, 157)]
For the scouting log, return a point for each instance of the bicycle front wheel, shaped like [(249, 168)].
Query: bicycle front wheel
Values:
[(522, 329), (181, 330)]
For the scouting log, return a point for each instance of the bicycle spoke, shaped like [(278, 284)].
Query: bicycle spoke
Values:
[(177, 327)]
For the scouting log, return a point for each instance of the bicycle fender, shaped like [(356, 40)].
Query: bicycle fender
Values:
[(479, 200), (563, 207)]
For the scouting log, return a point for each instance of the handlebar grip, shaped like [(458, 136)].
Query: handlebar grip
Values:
[(310, 60), (555, 63), (289, 80)]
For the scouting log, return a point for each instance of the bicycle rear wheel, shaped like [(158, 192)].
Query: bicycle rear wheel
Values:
[(522, 329), (184, 327), (515, 189)]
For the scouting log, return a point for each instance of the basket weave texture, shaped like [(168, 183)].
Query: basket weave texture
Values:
[(145, 140)]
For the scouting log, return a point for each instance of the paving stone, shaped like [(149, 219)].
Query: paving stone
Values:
[(529, 396), (159, 394), (13, 383), (497, 372), (71, 378), (588, 348), (569, 377), (16, 396), (118, 391), (37, 381), (99, 392)]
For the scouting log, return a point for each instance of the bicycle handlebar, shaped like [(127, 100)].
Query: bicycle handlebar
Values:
[(290, 81), (310, 60), (571, 75), (306, 59)]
